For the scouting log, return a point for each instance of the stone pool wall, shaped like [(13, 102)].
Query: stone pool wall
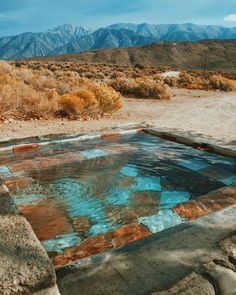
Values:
[(24, 265)]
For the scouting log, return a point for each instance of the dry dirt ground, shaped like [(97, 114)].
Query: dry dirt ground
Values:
[(211, 114)]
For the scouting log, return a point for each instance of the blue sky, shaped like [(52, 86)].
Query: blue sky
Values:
[(18, 16)]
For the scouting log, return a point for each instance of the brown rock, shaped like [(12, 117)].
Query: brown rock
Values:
[(229, 190), (217, 200), (46, 219), (22, 166), (90, 246), (100, 243), (146, 199), (126, 215), (192, 210), (16, 183)]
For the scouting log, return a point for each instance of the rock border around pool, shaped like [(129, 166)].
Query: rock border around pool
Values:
[(16, 149), (8, 143), (24, 265), (195, 141)]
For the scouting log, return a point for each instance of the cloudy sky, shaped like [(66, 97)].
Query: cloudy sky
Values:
[(18, 16)]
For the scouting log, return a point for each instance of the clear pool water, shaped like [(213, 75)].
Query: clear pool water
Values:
[(137, 178)]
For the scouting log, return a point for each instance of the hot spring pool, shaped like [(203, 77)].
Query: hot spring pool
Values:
[(77, 191)]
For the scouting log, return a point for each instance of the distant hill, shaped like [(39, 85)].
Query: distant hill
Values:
[(39, 44), (70, 39), (216, 55)]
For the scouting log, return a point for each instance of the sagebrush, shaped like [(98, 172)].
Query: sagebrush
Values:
[(204, 81), (142, 87), (42, 93)]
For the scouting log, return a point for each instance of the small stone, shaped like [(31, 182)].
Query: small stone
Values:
[(46, 219)]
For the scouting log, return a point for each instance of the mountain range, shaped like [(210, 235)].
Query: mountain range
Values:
[(71, 39)]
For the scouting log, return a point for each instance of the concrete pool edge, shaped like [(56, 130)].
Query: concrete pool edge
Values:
[(24, 265), (193, 140), (81, 138), (8, 144)]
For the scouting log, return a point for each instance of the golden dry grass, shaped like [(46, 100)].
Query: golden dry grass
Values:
[(41, 93), (109, 99), (19, 99), (142, 87), (222, 83), (205, 81), (77, 103)]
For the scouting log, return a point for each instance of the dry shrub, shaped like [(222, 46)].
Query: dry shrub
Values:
[(82, 101), (64, 76), (170, 81), (100, 98), (157, 77), (126, 86), (5, 79), (96, 71), (142, 87), (27, 93), (189, 81), (108, 98), (205, 81), (19, 98), (223, 84), (116, 75)]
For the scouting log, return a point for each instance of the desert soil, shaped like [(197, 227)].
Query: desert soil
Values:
[(211, 114)]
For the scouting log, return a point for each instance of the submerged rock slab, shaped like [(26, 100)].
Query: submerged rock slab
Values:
[(163, 220), (171, 198), (129, 170), (59, 243), (147, 183), (92, 154), (192, 210), (100, 243)]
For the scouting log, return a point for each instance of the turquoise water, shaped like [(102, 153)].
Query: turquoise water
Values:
[(138, 178)]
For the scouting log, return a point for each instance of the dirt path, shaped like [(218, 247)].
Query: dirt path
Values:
[(212, 114)]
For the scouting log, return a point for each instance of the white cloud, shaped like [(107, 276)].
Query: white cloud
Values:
[(230, 18)]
